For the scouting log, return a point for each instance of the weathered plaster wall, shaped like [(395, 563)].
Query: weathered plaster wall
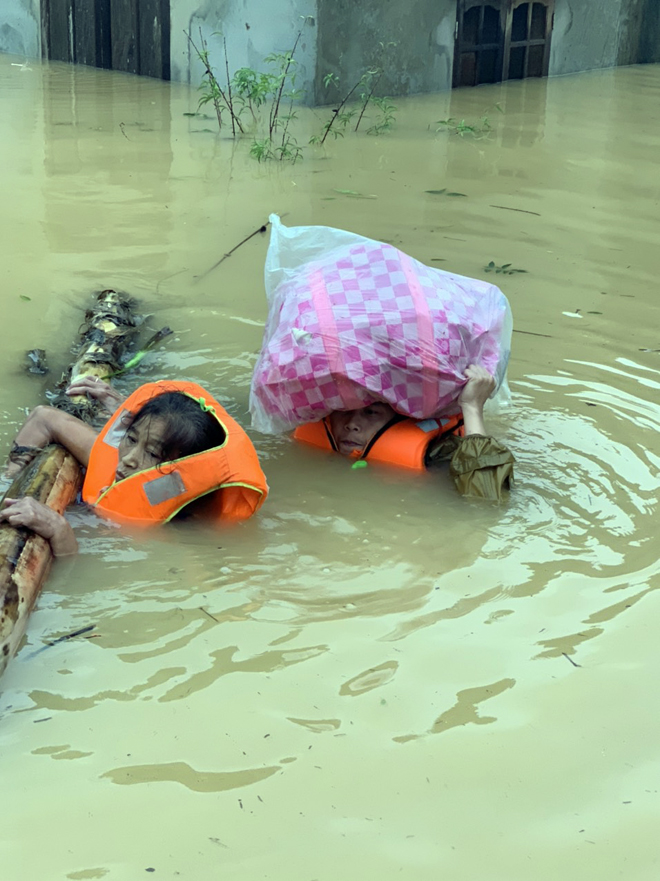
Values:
[(343, 37), (589, 34), (649, 40), (639, 32), (252, 28), (350, 34), (20, 31), (585, 35)]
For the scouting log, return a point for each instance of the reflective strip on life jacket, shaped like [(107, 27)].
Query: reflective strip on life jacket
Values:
[(403, 444), (229, 475)]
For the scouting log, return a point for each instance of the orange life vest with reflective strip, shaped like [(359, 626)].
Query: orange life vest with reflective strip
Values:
[(230, 475), (403, 443)]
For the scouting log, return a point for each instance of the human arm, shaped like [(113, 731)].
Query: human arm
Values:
[(46, 425), (479, 387), (97, 390), (43, 520), (480, 466)]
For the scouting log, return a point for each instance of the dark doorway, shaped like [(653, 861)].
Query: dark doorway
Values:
[(501, 39), (128, 35)]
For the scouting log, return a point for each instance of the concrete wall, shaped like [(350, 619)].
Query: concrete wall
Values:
[(20, 29), (590, 34), (585, 35), (252, 28), (343, 37), (351, 31), (639, 32)]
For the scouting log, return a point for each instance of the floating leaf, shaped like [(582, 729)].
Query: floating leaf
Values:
[(27, 299), (594, 312), (190, 114), (354, 194), (457, 194), (438, 260), (504, 269)]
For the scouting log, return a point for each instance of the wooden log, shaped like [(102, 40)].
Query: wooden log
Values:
[(54, 477)]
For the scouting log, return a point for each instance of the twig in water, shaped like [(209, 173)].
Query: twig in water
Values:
[(571, 660), (213, 618), (262, 228), (63, 639), (531, 333), (522, 210), (121, 126)]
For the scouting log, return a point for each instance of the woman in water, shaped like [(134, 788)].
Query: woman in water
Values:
[(167, 446), (479, 465)]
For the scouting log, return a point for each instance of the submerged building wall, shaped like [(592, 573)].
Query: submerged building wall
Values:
[(413, 41), (590, 34), (253, 30), (20, 31)]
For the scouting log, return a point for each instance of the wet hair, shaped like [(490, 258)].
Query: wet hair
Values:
[(189, 429)]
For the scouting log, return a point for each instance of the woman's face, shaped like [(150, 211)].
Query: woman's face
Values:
[(142, 446), (353, 429)]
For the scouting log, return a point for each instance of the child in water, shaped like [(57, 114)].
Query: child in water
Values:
[(480, 465), (166, 446)]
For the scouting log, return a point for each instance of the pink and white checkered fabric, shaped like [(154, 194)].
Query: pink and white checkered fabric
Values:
[(367, 323)]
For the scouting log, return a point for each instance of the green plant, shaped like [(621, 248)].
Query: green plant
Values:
[(371, 79), (212, 91), (504, 269), (341, 117), (385, 120), (462, 128), (253, 89)]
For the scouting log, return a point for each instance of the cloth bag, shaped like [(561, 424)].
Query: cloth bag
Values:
[(352, 321)]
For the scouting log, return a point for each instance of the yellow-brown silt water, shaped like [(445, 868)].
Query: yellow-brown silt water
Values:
[(373, 678)]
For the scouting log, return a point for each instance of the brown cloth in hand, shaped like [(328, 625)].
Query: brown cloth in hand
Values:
[(480, 466)]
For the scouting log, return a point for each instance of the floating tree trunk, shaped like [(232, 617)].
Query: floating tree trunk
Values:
[(54, 476)]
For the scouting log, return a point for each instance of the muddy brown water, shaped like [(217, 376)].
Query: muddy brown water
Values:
[(373, 678)]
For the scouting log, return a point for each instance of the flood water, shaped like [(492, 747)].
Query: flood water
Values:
[(373, 678)]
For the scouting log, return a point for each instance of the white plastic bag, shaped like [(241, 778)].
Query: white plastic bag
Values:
[(352, 321)]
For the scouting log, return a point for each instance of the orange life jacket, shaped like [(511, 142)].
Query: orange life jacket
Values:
[(402, 443), (230, 475)]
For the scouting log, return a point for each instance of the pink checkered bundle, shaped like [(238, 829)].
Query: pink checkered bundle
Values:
[(352, 321)]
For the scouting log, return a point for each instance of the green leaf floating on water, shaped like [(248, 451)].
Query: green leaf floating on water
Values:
[(504, 269), (27, 299), (359, 464), (354, 194)]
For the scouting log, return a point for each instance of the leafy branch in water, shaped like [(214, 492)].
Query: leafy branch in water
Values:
[(462, 128), (342, 115), (504, 269), (480, 129), (212, 91)]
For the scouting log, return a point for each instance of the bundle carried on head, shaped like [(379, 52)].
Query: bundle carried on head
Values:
[(352, 321)]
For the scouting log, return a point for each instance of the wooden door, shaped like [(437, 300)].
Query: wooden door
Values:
[(128, 35)]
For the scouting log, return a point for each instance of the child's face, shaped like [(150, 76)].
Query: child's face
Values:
[(141, 447), (353, 429)]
